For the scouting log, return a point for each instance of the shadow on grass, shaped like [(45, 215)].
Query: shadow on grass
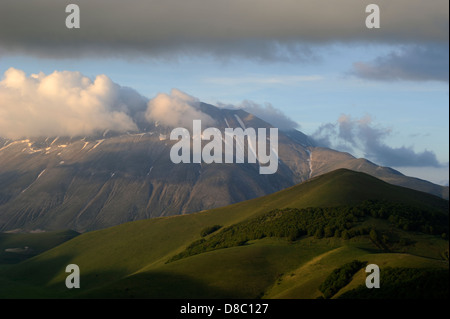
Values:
[(45, 279), (156, 285), (29, 279)]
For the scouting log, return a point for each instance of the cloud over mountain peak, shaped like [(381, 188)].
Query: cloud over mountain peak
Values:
[(62, 103)]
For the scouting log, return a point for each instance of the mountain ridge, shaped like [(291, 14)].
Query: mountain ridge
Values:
[(87, 183)]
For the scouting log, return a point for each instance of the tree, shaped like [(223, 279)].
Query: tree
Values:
[(345, 235), (209, 230), (328, 231), (318, 233), (373, 235)]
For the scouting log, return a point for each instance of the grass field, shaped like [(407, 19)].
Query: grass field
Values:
[(130, 260)]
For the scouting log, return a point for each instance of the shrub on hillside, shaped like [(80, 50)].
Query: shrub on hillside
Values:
[(209, 230), (340, 277)]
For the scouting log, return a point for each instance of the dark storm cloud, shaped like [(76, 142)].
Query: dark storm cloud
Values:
[(413, 63), (260, 29), (363, 135)]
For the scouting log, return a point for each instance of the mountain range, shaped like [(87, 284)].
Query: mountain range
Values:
[(93, 182)]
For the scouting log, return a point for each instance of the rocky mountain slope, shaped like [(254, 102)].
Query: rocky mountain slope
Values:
[(92, 182)]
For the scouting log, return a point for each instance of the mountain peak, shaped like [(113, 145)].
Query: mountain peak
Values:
[(96, 181)]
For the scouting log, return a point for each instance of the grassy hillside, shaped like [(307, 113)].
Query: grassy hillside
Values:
[(325, 160), (15, 247), (131, 260)]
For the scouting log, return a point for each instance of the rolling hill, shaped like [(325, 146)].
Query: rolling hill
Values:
[(335, 216)]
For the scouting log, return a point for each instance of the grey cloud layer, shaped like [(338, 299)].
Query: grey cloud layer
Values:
[(414, 63), (349, 134), (262, 29)]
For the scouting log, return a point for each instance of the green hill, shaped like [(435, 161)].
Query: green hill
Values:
[(15, 247), (283, 245)]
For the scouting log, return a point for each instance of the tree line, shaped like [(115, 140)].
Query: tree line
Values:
[(321, 222)]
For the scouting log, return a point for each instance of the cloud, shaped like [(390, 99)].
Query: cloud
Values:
[(255, 29), (353, 135), (264, 80), (176, 109), (64, 103), (413, 63), (266, 112)]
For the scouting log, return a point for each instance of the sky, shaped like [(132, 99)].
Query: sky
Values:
[(379, 93)]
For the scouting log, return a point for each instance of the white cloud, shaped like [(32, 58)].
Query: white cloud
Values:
[(66, 103), (63, 103), (266, 112), (176, 109)]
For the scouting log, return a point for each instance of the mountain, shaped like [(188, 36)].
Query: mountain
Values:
[(325, 160), (336, 218), (93, 182)]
